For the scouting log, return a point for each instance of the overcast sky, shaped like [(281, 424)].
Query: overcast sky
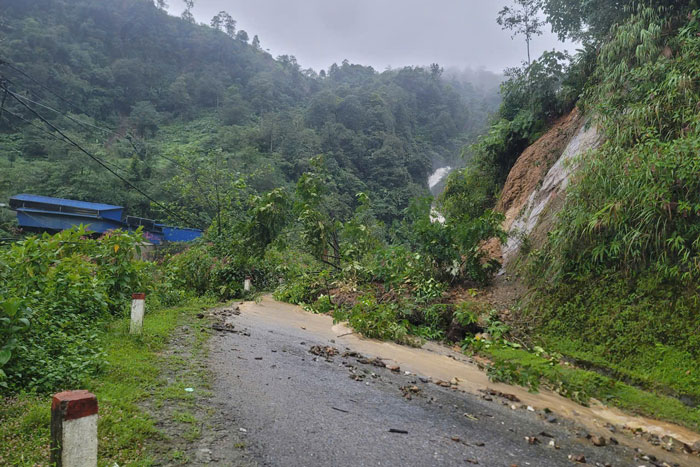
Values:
[(380, 33)]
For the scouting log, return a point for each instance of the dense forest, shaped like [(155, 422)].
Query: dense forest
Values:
[(152, 95), (314, 184)]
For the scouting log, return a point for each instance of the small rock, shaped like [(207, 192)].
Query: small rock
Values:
[(696, 447), (553, 444), (203, 455), (472, 461), (456, 439), (394, 368), (532, 440), (551, 419), (580, 458), (530, 408), (243, 430), (614, 441), (598, 441)]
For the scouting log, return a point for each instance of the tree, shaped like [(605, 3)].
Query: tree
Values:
[(187, 14), (145, 118), (522, 19), (216, 22), (591, 20), (242, 36), (229, 25), (208, 189), (161, 4), (256, 42)]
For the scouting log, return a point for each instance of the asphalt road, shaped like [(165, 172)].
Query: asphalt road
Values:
[(289, 407)]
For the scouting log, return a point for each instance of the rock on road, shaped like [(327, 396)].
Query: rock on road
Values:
[(291, 407)]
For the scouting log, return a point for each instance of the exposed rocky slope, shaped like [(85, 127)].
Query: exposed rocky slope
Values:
[(535, 187)]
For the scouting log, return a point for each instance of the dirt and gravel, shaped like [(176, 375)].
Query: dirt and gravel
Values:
[(293, 389)]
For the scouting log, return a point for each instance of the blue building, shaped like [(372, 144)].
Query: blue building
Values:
[(46, 214)]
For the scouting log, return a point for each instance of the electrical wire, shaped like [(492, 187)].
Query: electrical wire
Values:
[(57, 138), (91, 156)]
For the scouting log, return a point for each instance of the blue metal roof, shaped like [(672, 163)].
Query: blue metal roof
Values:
[(66, 202)]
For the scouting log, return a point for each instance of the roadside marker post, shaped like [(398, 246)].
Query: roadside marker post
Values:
[(247, 284), (74, 429), (138, 307)]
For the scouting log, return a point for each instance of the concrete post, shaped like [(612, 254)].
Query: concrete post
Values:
[(247, 284), (138, 307), (74, 429)]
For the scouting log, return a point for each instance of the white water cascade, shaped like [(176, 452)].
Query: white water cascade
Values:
[(433, 181)]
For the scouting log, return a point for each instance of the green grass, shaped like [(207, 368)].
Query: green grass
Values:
[(519, 366), (132, 375)]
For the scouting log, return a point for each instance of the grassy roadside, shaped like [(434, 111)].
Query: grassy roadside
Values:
[(134, 373), (521, 367)]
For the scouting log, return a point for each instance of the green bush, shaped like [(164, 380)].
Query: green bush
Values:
[(72, 284), (377, 320)]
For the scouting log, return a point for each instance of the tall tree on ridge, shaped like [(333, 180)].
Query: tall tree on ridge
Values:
[(522, 18), (187, 14)]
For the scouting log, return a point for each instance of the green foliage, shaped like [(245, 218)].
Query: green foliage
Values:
[(377, 320), (465, 314), (616, 285), (453, 248), (512, 373), (523, 19), (591, 20), (204, 106), (200, 271), (72, 284), (14, 319), (636, 202)]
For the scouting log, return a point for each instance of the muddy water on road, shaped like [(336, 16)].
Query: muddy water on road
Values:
[(441, 363)]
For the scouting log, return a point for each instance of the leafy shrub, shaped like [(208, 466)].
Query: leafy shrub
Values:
[(465, 314), (14, 319), (377, 320), (72, 284)]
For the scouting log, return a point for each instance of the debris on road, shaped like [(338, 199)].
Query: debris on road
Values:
[(396, 430), (224, 327), (324, 351), (598, 441), (532, 440)]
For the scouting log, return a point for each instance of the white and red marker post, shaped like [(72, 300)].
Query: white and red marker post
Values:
[(138, 308), (74, 429)]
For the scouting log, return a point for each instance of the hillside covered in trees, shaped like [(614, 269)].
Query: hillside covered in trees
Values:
[(154, 96), (567, 251)]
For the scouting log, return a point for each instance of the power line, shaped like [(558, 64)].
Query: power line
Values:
[(48, 133), (96, 159), (73, 119), (105, 128), (4, 61)]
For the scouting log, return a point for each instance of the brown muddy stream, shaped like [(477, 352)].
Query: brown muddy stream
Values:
[(441, 363)]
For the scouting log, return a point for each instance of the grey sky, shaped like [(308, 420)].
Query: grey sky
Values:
[(380, 33)]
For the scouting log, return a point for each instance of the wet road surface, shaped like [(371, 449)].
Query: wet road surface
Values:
[(294, 408)]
